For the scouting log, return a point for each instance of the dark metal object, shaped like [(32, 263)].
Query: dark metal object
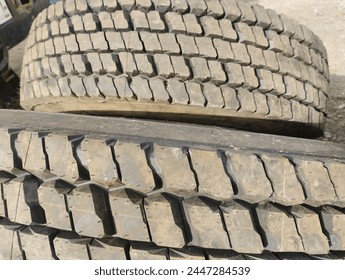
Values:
[(14, 27), (9, 81), (23, 12)]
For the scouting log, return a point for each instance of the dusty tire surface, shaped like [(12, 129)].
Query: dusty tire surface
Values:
[(82, 187), (220, 62)]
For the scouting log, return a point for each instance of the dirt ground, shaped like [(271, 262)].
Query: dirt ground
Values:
[(326, 19)]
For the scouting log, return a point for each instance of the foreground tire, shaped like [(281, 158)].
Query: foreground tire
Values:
[(219, 62), (107, 188)]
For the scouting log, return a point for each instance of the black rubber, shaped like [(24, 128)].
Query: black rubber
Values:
[(221, 62), (81, 187)]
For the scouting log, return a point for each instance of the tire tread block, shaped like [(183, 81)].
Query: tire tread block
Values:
[(173, 167), (69, 247), (100, 163), (30, 150), (164, 220), (253, 186), (197, 212), (334, 223), (135, 172), (280, 230), (52, 200), (336, 173), (36, 243), (310, 230), (107, 250), (189, 253), (213, 181), (287, 189), (128, 216), (9, 245), (317, 184), (88, 206), (137, 252), (240, 225), (17, 208), (55, 145)]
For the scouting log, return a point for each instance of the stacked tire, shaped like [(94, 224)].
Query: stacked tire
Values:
[(87, 187), (215, 62)]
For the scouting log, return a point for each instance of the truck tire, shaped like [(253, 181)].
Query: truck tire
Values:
[(216, 62), (82, 187)]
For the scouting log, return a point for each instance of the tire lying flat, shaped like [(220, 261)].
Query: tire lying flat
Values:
[(220, 62), (75, 187)]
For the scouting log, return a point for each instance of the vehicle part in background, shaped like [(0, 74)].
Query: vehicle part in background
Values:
[(111, 188), (9, 81), (214, 62), (16, 17)]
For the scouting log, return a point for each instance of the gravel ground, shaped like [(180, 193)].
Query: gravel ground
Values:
[(326, 19)]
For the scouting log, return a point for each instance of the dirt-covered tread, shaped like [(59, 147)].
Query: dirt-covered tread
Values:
[(66, 245), (109, 58), (168, 204)]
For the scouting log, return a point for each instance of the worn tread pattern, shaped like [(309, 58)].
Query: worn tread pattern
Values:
[(20, 242), (160, 197), (221, 46)]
